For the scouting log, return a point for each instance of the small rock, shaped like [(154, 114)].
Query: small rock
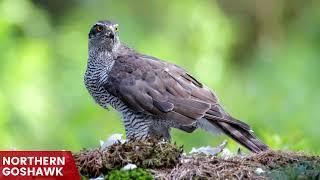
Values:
[(129, 167), (259, 171), (98, 178), (114, 138)]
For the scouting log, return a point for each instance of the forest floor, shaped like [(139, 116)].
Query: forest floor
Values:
[(160, 160)]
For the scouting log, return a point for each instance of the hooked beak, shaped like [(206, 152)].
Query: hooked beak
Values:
[(110, 33)]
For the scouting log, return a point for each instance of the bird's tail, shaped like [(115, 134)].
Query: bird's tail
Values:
[(240, 132)]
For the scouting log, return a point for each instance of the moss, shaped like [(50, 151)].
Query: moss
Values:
[(135, 174), (165, 161), (145, 154), (301, 170)]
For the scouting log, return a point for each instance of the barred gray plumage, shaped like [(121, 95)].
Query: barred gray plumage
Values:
[(153, 95)]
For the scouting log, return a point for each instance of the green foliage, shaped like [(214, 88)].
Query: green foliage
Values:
[(264, 69), (301, 170), (135, 174)]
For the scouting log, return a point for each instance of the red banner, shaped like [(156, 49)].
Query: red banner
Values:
[(37, 165)]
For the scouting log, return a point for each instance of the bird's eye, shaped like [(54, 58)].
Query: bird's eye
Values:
[(99, 28), (116, 28)]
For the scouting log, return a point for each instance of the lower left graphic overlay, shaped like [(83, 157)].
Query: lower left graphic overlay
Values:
[(38, 165)]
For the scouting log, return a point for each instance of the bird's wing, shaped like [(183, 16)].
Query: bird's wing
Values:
[(151, 86)]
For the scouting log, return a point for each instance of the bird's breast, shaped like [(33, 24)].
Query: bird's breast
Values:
[(93, 84)]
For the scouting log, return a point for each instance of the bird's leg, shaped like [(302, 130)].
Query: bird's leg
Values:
[(160, 132), (136, 126)]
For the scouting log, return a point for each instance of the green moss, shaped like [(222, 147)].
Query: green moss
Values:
[(135, 174), (162, 159), (301, 170), (145, 154)]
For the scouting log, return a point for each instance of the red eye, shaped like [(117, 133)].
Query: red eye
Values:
[(99, 28)]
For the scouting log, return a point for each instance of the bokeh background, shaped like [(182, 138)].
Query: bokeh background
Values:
[(261, 58)]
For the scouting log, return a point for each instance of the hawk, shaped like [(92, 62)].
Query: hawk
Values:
[(152, 95)]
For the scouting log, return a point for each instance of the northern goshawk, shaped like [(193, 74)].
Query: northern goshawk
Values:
[(153, 95)]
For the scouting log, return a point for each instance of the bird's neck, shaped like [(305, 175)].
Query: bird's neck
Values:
[(100, 63), (99, 66), (102, 55), (99, 58)]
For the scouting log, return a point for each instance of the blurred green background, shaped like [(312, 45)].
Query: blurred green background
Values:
[(260, 57)]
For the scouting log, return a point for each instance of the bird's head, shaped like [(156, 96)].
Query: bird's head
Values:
[(104, 35)]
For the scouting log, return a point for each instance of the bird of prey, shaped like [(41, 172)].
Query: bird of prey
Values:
[(153, 95)]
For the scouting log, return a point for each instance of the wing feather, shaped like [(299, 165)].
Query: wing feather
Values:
[(151, 86), (148, 85)]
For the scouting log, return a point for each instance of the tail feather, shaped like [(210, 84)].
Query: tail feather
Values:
[(242, 135)]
